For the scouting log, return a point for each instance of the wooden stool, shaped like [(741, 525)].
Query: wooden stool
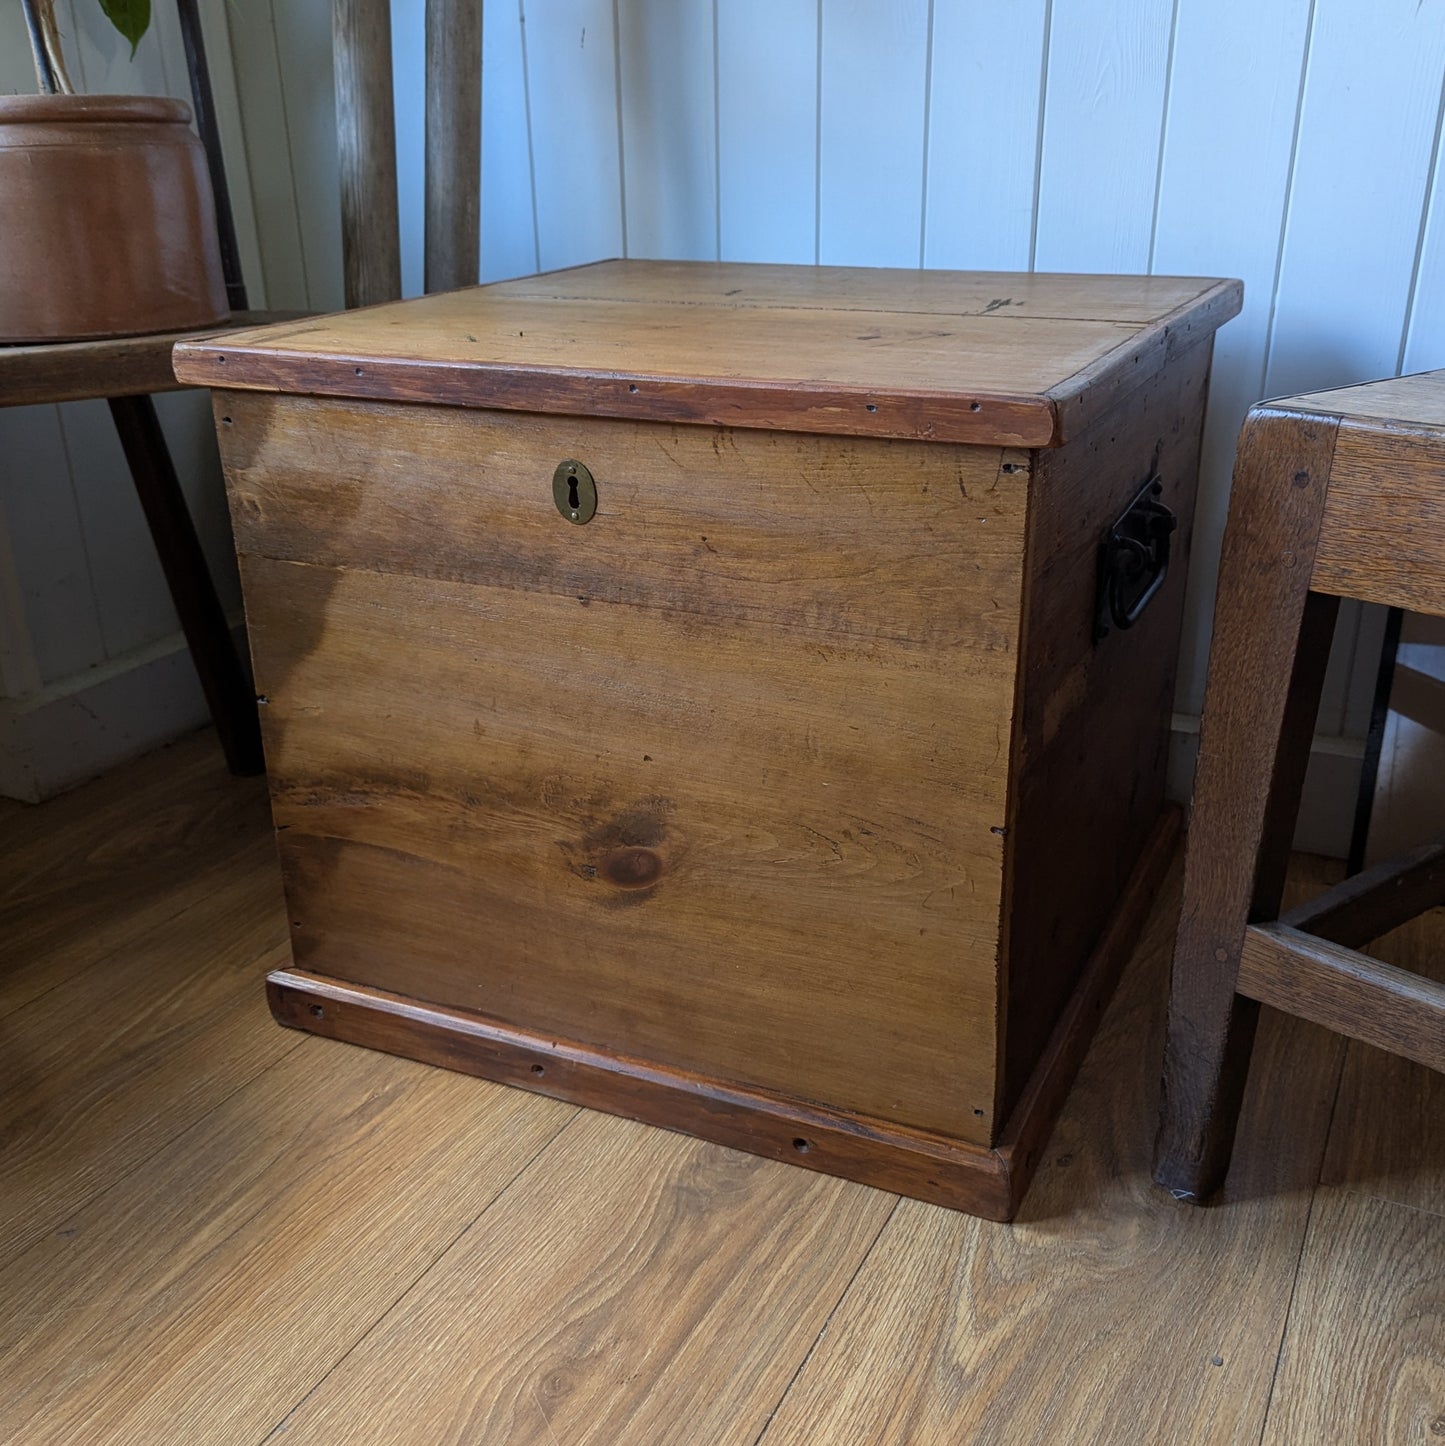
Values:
[(1336, 494)]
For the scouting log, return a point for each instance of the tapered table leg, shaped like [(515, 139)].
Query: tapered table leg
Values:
[(1266, 665), (228, 694)]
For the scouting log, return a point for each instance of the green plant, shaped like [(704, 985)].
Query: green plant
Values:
[(131, 17)]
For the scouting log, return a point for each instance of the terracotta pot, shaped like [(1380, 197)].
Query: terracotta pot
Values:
[(107, 227)]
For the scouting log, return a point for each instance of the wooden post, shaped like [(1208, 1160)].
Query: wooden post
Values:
[(453, 142), (228, 693), (366, 145)]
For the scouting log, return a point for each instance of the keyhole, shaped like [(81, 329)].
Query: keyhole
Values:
[(573, 491)]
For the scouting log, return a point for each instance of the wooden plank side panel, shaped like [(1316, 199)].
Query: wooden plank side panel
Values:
[(876, 541), (1092, 724), (672, 835)]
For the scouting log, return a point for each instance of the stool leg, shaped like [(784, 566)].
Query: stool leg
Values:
[(1266, 665), (203, 620)]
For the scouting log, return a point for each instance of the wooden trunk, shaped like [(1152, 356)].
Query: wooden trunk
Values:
[(793, 799)]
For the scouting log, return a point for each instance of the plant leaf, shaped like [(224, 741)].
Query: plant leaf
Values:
[(131, 17)]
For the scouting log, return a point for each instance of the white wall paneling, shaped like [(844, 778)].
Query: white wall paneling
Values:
[(873, 112), (1233, 104), (767, 108), (87, 613), (667, 68), (1107, 77), (985, 91), (509, 218), (1293, 143), (576, 124)]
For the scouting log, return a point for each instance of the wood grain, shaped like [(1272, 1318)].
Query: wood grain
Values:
[(1266, 664), (366, 146), (1082, 1320), (1387, 1138), (1030, 1122), (894, 544), (947, 375), (128, 1053), (200, 1299), (1381, 898), (873, 1152), (92, 872), (1415, 401), (1092, 718), (121, 367), (581, 830), (1383, 535), (614, 1314), (1005, 294), (1345, 991), (453, 130), (1365, 1349), (347, 1240)]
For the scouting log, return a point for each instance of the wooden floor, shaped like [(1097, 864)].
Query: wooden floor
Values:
[(215, 1230)]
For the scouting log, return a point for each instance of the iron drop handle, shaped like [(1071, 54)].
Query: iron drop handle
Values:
[(1133, 560)]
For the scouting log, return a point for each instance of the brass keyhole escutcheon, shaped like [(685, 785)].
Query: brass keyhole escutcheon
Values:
[(574, 492)]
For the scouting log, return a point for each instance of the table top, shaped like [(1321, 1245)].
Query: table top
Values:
[(1413, 401), (120, 366), (990, 357)]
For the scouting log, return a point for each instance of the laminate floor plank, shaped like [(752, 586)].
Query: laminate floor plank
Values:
[(634, 1286), (1388, 1137), (97, 1075), (1364, 1358), (217, 1231), (1108, 1312), (84, 874), (199, 1299)]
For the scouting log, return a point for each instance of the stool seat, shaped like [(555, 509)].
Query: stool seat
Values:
[(1337, 494)]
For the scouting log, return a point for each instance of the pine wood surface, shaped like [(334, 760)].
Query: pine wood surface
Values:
[(347, 1246), (743, 825), (841, 351), (714, 717)]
